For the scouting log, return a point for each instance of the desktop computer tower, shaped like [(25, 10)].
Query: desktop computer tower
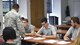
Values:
[(53, 20)]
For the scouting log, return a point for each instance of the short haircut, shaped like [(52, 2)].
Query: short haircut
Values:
[(75, 19), (22, 18), (44, 20), (15, 6), (25, 19), (9, 33)]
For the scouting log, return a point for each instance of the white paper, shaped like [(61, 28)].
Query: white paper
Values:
[(38, 38), (63, 42), (26, 38), (50, 41)]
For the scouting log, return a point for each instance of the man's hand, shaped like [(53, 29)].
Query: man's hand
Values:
[(66, 38)]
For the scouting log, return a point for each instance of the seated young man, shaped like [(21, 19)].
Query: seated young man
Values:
[(29, 29), (9, 35), (74, 30), (47, 30)]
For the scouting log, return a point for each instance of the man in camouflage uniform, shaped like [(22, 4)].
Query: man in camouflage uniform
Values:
[(12, 19)]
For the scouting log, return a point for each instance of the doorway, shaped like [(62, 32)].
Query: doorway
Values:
[(37, 12)]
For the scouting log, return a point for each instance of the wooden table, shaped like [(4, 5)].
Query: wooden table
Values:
[(63, 26), (61, 31), (45, 43)]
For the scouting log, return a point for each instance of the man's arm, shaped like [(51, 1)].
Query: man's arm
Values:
[(66, 37), (39, 32), (49, 36), (32, 29), (67, 34), (53, 33), (20, 26)]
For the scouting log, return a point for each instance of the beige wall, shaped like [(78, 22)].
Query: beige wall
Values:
[(74, 7)]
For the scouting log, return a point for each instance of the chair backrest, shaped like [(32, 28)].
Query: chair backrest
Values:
[(1, 40)]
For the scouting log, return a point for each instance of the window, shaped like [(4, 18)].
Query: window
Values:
[(49, 6), (7, 5)]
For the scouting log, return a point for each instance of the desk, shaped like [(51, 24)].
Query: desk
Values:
[(61, 31), (63, 27), (45, 43)]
